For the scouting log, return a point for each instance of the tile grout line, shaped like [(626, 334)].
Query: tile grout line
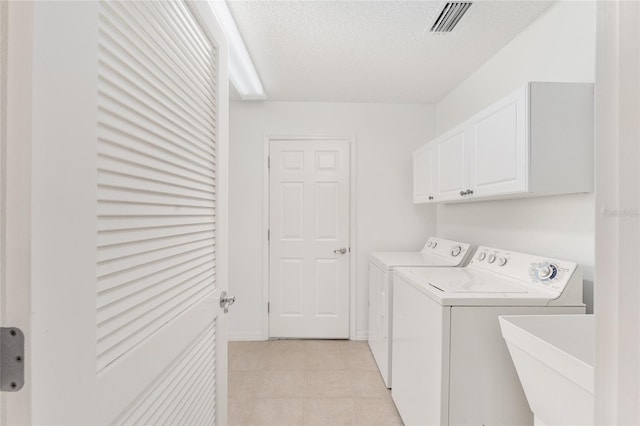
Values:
[(350, 384)]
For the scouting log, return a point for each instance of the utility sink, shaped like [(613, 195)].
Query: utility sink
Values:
[(553, 355)]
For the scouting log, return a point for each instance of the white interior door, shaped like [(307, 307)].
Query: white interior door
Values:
[(125, 213), (309, 238)]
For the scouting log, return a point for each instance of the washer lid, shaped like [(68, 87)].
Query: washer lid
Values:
[(461, 280)]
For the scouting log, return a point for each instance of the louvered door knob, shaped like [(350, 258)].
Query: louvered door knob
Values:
[(226, 301), (342, 250)]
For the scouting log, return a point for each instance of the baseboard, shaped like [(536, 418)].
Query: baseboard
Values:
[(362, 335), (241, 336), (237, 336)]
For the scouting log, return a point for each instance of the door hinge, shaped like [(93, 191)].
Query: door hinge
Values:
[(268, 307), (268, 234), (11, 359), (269, 162)]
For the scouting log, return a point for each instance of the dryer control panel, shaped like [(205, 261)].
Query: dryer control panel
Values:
[(536, 271), (446, 248)]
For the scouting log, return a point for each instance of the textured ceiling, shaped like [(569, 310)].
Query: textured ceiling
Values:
[(372, 51)]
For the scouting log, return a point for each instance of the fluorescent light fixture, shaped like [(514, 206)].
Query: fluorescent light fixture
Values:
[(242, 73)]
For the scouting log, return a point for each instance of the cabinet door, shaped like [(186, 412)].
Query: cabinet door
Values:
[(452, 164), (423, 174), (499, 147)]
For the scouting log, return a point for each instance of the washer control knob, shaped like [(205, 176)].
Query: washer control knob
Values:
[(492, 258), (429, 243), (456, 251), (545, 271), (502, 261), (435, 243), (482, 256)]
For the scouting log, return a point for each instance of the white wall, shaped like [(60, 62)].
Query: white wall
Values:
[(385, 136), (558, 46)]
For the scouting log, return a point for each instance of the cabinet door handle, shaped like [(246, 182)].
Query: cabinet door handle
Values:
[(431, 197), (463, 193), (469, 192)]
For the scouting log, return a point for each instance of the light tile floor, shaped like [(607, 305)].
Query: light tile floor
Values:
[(307, 382)]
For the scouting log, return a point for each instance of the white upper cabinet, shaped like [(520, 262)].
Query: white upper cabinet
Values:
[(498, 147), (536, 141), (452, 163), (424, 174)]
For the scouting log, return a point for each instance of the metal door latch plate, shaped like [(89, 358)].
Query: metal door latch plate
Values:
[(11, 359)]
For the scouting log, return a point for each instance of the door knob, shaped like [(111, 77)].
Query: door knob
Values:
[(342, 250), (226, 301)]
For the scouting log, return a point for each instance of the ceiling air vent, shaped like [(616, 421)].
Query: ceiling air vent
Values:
[(450, 15)]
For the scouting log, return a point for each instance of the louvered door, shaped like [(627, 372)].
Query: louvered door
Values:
[(157, 289), (127, 227)]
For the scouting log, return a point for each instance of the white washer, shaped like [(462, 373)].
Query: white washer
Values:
[(451, 365), (436, 252)]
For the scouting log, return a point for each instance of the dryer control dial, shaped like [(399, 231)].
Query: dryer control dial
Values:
[(456, 251), (502, 261), (492, 258), (482, 256)]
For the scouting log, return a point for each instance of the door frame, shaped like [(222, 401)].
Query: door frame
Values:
[(266, 198)]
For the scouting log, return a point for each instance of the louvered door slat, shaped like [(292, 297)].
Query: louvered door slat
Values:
[(133, 195), (150, 271), (194, 44), (116, 124), (117, 244), (120, 59), (132, 333), (151, 45), (117, 76), (120, 56), (145, 286), (184, 47), (153, 406), (120, 179), (133, 156), (123, 106), (110, 316), (116, 84), (109, 225), (154, 257), (157, 165), (157, 400), (127, 320)]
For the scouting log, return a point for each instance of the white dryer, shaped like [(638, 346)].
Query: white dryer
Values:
[(450, 363), (436, 252)]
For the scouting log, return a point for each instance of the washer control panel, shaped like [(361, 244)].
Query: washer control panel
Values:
[(453, 250), (536, 271)]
